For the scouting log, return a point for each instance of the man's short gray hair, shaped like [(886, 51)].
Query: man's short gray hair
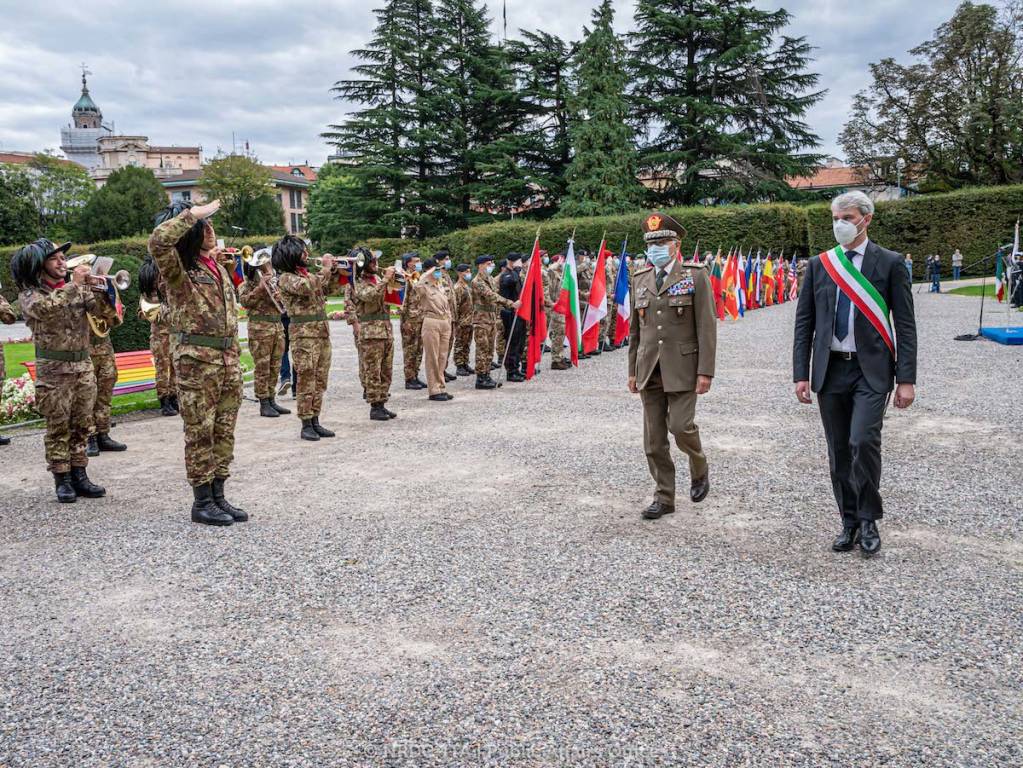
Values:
[(853, 199)]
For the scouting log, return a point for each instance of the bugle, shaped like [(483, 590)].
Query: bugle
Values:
[(121, 280), (150, 310), (260, 260)]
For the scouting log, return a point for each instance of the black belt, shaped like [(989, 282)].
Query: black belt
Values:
[(265, 318), (308, 318), (62, 356), (374, 316), (213, 342), (843, 355)]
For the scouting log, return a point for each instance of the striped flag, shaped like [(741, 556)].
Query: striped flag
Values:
[(568, 303), (621, 294)]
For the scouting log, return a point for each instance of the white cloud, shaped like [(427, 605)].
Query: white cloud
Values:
[(193, 71)]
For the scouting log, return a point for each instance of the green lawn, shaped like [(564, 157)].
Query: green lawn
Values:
[(16, 354), (975, 290)]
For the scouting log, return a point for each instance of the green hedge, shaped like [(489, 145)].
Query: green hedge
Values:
[(976, 221), (128, 254)]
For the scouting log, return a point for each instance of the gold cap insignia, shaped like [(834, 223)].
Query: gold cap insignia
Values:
[(653, 223)]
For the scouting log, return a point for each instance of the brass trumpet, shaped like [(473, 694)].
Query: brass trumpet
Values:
[(150, 310), (341, 262), (121, 280), (261, 260)]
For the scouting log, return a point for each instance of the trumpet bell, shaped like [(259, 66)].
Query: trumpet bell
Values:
[(122, 279), (88, 259), (256, 258)]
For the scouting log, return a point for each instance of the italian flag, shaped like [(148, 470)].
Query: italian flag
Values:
[(861, 293), (568, 304), (597, 309)]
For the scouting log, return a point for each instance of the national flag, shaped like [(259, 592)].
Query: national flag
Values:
[(623, 308), (730, 300), (237, 274), (715, 286), (531, 310), (568, 303), (740, 284), (597, 305), (1000, 265), (114, 296), (780, 277), (768, 281), (793, 279), (758, 282), (696, 253)]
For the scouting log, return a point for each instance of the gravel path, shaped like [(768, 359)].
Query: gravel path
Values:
[(471, 584)]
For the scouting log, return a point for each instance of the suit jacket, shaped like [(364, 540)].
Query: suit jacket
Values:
[(676, 329), (815, 323)]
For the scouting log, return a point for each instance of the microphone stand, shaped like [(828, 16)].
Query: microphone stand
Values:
[(983, 295)]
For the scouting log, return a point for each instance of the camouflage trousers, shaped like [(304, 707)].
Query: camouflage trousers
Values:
[(358, 356), (209, 395), (65, 400), (159, 345), (462, 342), (484, 334), (105, 367), (311, 358), (376, 361), (267, 348), (411, 347), (557, 336), (501, 340)]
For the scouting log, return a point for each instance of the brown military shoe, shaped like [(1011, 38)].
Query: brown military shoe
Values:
[(700, 488), (657, 510)]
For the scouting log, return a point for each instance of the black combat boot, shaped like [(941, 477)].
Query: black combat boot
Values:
[(5, 440), (414, 384), (84, 486), (483, 381), (463, 370), (321, 430), (308, 433), (175, 404), (167, 406), (91, 447), (280, 409), (217, 490), (107, 443), (390, 414), (377, 412), (65, 491), (205, 510), (515, 376), (266, 409), (449, 377)]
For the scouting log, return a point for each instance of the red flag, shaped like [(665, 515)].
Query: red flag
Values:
[(532, 312), (715, 285), (597, 305), (731, 278)]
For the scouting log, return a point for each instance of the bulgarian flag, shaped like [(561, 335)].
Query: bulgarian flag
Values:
[(622, 304), (597, 309), (568, 303), (861, 293)]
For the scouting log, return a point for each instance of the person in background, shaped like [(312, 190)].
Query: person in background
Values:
[(908, 261), (957, 264), (433, 297), (463, 320), (935, 262)]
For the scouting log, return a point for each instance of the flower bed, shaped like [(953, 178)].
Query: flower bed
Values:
[(18, 400)]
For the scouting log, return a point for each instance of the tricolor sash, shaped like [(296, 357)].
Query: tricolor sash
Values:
[(860, 292)]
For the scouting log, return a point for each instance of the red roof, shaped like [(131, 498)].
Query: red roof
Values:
[(24, 158), (179, 150), (842, 176), (305, 170)]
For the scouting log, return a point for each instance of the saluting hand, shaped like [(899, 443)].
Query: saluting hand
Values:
[(207, 210)]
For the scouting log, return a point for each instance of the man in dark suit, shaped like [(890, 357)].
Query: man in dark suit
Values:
[(853, 366)]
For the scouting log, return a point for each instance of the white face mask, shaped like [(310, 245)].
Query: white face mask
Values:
[(845, 231)]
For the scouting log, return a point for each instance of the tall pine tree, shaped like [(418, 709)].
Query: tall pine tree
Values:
[(602, 175), (721, 96)]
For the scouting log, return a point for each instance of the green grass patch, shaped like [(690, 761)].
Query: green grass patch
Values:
[(975, 290)]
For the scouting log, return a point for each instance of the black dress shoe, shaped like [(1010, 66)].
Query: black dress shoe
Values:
[(449, 377), (870, 538), (91, 447), (515, 376), (174, 404), (267, 410), (217, 491), (65, 491), (414, 384), (5, 440), (847, 539), (390, 414), (485, 382), (420, 382), (308, 433), (84, 486), (377, 413), (700, 488), (584, 355), (495, 365), (107, 443), (560, 365), (205, 510), (281, 410), (442, 397), (321, 430), (657, 510)]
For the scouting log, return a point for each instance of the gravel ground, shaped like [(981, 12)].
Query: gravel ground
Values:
[(466, 586)]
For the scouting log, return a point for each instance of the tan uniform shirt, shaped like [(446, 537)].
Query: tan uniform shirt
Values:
[(434, 300)]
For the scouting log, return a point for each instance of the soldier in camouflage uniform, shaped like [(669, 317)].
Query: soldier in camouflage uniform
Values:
[(205, 352), (266, 338), (104, 364), (411, 324), (56, 312), (485, 319), (351, 317), (305, 298), (556, 327), (463, 320), (607, 325), (152, 288), (376, 336), (7, 317)]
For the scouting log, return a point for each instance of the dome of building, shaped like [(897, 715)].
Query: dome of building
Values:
[(85, 103)]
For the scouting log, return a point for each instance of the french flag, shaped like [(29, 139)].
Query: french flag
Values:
[(622, 298)]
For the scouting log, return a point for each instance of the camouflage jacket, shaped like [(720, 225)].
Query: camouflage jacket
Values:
[(256, 300), (58, 322), (368, 293), (348, 292), (6, 312), (100, 346), (409, 311), (305, 298), (200, 303), (555, 275), (485, 299), (463, 302), (585, 277)]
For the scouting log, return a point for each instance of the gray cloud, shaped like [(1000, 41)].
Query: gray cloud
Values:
[(192, 72)]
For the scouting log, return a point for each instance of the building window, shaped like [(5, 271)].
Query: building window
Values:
[(181, 197), (280, 200), (296, 171), (295, 197), (296, 223)]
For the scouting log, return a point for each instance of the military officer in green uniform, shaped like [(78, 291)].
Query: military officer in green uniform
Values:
[(672, 346)]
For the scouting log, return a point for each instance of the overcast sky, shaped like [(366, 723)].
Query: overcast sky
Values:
[(193, 71)]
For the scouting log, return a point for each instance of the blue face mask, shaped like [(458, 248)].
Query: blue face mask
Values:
[(419, 267), (546, 260), (659, 255), (447, 264), (468, 277)]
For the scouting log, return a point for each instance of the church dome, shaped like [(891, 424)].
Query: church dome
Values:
[(85, 103)]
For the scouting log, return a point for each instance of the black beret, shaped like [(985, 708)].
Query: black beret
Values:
[(407, 257), (462, 268), (429, 264), (439, 255), (502, 263), (483, 259)]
